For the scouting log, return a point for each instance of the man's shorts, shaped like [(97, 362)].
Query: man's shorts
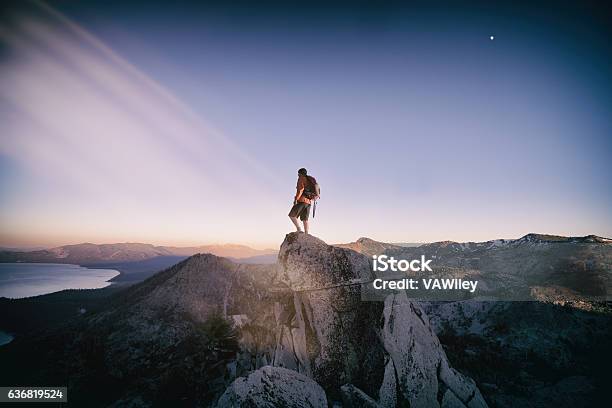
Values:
[(301, 210)]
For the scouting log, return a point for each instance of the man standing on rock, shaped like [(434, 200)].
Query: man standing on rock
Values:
[(307, 192)]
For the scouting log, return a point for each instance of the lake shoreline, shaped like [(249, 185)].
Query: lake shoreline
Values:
[(98, 265), (20, 280), (6, 338)]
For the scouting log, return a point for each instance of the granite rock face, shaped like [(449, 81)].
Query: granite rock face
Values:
[(325, 331), (271, 387), (371, 351), (422, 371)]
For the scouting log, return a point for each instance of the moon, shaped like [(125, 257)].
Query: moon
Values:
[(492, 37)]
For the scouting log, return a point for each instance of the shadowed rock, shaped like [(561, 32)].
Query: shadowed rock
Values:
[(354, 397)]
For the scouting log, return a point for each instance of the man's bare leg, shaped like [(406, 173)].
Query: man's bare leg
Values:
[(295, 222), (306, 226)]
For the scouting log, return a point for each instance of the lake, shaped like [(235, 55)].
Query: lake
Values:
[(5, 338), (19, 280)]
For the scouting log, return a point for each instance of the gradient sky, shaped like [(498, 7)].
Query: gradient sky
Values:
[(185, 124)]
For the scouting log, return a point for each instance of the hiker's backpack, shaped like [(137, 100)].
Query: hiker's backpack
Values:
[(312, 189)]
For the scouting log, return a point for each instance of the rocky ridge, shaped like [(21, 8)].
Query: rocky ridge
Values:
[(304, 321), (383, 354)]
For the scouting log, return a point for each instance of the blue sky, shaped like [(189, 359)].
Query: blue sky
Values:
[(417, 125)]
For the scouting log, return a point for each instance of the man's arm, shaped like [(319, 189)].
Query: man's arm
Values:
[(298, 194), (299, 190)]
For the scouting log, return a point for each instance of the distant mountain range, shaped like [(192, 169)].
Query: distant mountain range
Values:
[(535, 266), (21, 249), (88, 253), (96, 254), (369, 246)]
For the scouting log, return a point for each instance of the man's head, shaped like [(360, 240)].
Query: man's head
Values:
[(302, 172)]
